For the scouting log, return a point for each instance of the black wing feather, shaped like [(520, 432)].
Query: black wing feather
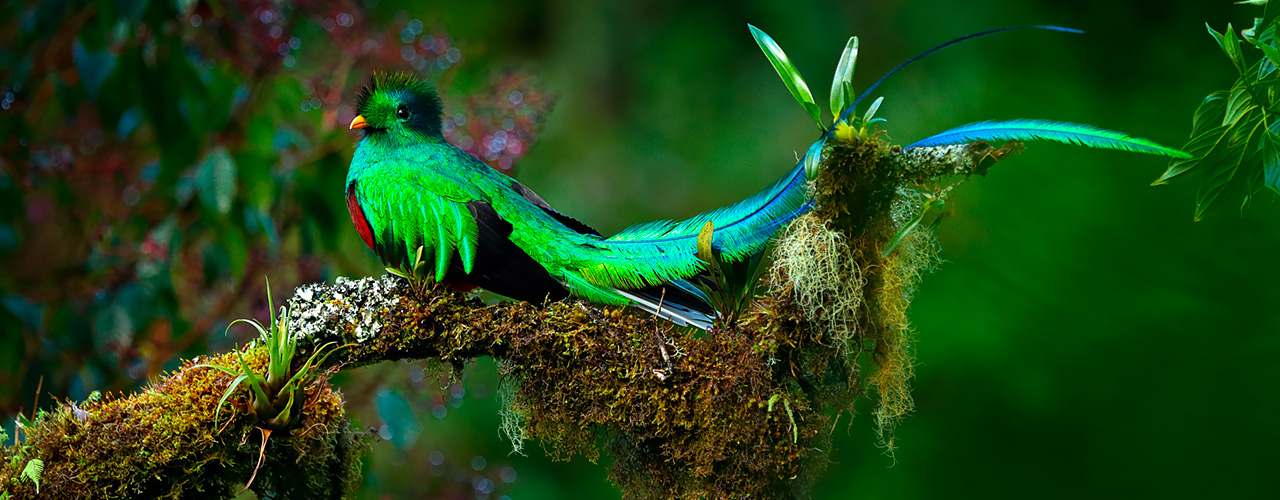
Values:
[(502, 267)]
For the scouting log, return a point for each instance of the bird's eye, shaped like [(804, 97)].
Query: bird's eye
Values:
[(402, 112)]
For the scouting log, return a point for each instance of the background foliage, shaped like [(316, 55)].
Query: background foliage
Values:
[(1085, 337)]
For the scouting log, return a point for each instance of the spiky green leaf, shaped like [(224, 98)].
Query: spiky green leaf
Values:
[(271, 307), (256, 382), (223, 369), (286, 414), (280, 360), (303, 374), (790, 76), (262, 331), (231, 389)]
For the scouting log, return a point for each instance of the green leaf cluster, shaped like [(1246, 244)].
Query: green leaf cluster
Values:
[(842, 94), (1234, 132)]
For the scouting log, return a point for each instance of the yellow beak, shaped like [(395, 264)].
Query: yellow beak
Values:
[(358, 122)]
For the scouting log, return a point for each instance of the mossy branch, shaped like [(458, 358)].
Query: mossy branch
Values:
[(164, 442), (684, 412)]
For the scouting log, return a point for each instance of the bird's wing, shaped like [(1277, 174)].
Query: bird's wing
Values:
[(569, 222), (503, 267), (408, 208)]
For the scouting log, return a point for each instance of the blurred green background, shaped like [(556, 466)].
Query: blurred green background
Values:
[(1085, 337)]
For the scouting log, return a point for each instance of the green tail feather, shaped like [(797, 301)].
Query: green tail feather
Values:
[(664, 250)]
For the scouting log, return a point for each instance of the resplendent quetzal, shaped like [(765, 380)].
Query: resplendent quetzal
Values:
[(408, 188)]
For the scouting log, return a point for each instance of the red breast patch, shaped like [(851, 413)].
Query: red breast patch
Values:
[(357, 217)]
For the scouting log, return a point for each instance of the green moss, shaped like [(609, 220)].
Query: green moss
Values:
[(164, 443), (854, 189)]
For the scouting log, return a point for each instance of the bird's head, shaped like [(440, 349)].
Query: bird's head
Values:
[(398, 106)]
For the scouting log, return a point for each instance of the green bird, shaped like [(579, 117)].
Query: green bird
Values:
[(408, 188)]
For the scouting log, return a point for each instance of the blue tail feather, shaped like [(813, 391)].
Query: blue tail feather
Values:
[(1030, 130), (740, 229)]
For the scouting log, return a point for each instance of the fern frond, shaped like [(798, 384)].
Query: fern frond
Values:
[(1045, 130), (32, 472)]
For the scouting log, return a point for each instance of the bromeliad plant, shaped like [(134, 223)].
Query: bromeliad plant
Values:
[(278, 394)]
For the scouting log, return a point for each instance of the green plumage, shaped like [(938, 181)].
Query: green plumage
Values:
[(414, 189)]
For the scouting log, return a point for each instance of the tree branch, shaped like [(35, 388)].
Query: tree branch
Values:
[(743, 409)]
